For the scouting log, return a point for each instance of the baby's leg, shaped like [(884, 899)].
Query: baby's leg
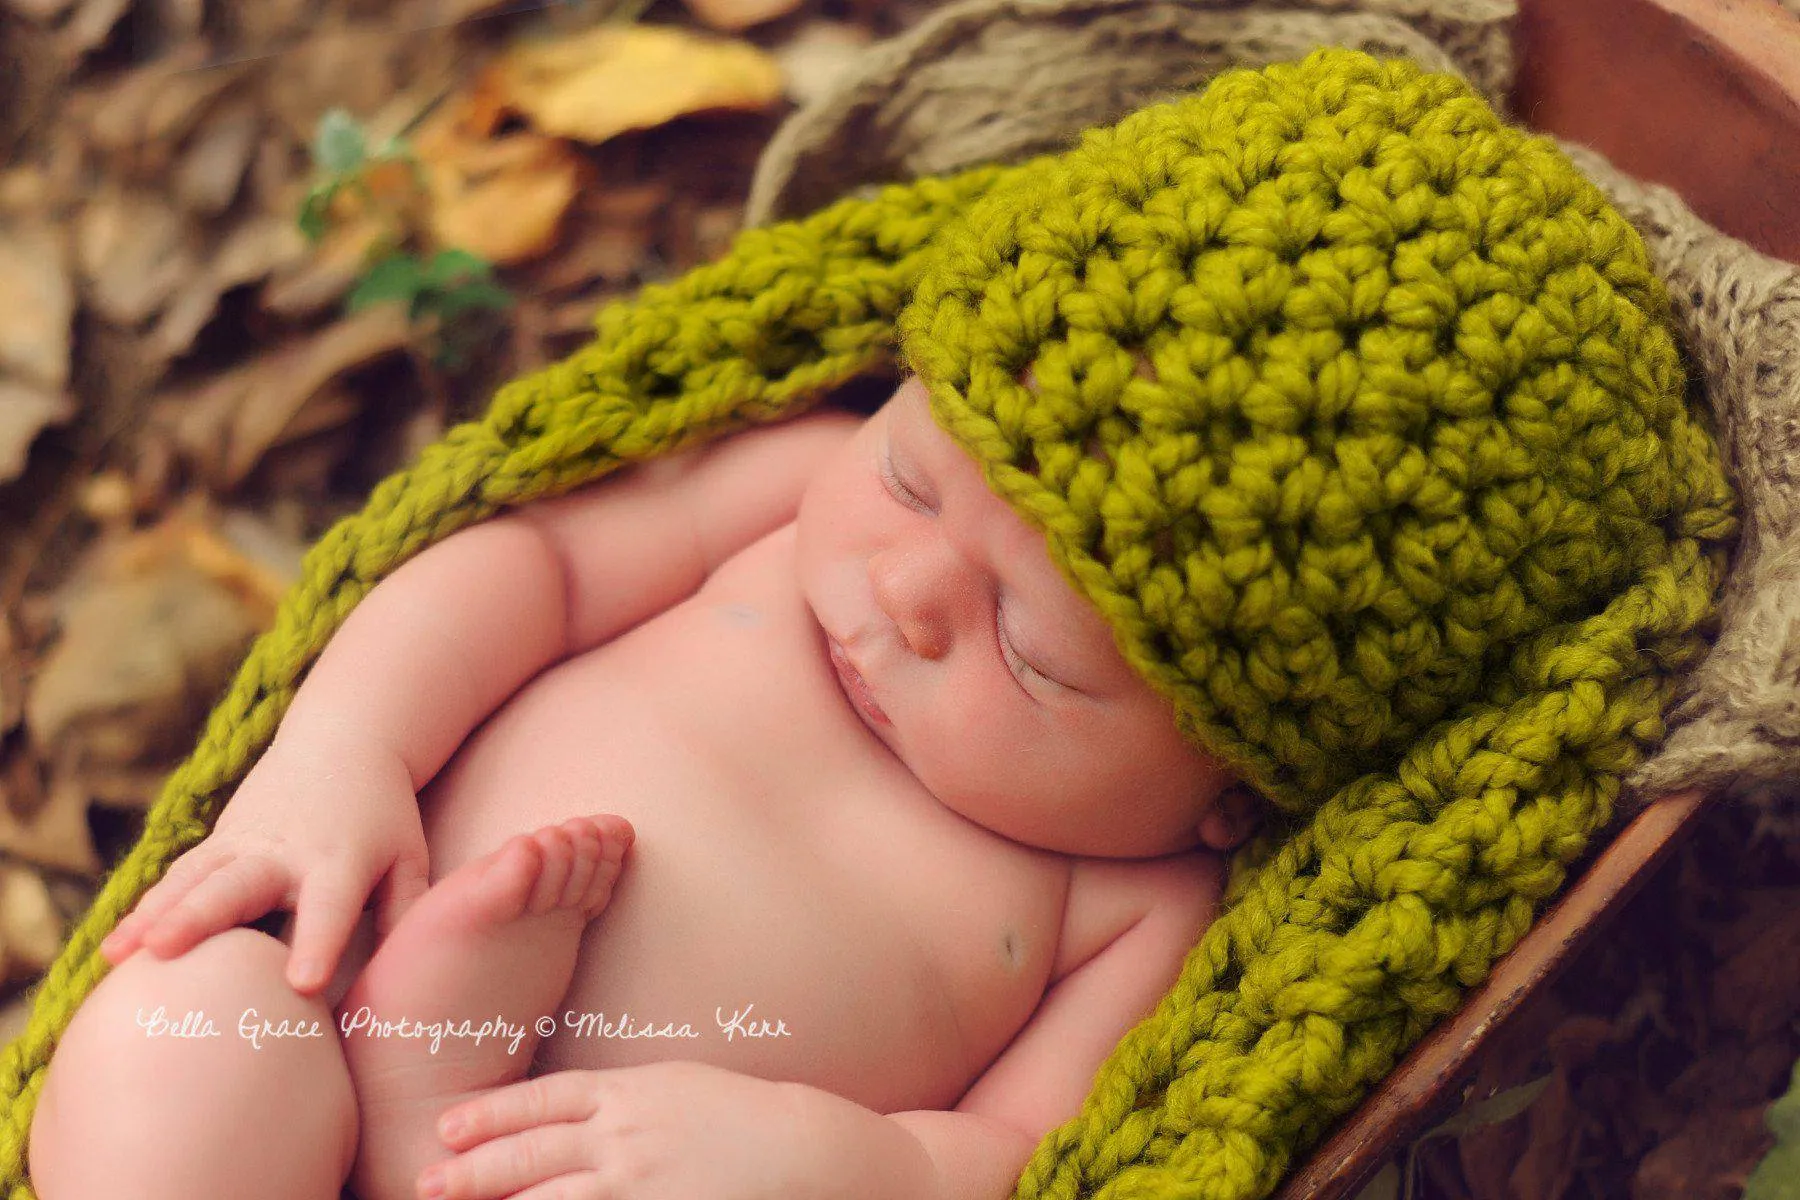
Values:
[(495, 939), (131, 1116)]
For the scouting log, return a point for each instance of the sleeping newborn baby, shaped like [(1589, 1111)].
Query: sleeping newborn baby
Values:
[(788, 775)]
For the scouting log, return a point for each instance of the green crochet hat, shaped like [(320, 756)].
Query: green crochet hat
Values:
[(1414, 405), (1407, 517)]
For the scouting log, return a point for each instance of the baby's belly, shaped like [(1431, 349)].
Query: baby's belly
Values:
[(795, 906)]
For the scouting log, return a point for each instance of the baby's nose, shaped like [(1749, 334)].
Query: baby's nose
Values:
[(928, 590)]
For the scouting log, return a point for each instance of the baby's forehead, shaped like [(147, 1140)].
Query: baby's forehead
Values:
[(1053, 604)]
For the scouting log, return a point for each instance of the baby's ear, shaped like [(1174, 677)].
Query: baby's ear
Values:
[(1232, 818)]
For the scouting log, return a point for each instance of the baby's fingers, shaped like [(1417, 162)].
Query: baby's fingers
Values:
[(240, 890), (164, 894), (330, 904)]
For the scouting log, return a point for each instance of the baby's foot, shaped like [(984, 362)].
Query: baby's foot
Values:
[(496, 938)]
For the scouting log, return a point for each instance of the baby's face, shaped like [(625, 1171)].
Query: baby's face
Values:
[(999, 686)]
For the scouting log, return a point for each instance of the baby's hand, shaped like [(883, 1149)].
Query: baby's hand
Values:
[(309, 832), (668, 1130)]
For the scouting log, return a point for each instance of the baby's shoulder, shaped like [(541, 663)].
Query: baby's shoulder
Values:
[(1108, 896)]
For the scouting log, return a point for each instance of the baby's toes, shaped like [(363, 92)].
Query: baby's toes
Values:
[(557, 846), (603, 842), (502, 883)]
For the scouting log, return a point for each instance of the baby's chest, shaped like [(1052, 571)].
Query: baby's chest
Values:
[(795, 905)]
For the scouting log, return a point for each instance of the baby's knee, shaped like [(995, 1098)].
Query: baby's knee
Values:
[(212, 1049)]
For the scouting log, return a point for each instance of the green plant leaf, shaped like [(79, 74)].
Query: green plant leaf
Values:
[(1496, 1109), (314, 208), (339, 146), (451, 266), (396, 278), (1777, 1177), (469, 296)]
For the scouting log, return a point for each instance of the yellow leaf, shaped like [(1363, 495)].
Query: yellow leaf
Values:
[(613, 78), (500, 198)]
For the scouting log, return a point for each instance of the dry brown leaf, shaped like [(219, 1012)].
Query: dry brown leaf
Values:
[(12, 679), (142, 116), (598, 84), (37, 302), (138, 660), (1757, 990), (255, 248), (31, 930), (443, 12), (135, 251), (213, 164), (44, 11), (500, 198), (814, 58), (56, 835), (25, 191), (319, 279), (249, 556), (1707, 1160), (15, 1017), (90, 25), (227, 424), (612, 254), (349, 66), (627, 203), (24, 412), (733, 15), (124, 787), (1546, 1167)]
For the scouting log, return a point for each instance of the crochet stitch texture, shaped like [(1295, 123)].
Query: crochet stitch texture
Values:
[(1409, 519)]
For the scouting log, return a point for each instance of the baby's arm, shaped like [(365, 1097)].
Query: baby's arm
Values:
[(429, 653), (330, 808), (1128, 928)]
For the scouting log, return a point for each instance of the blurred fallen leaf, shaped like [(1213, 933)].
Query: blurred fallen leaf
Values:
[(249, 556), (314, 282), (24, 412), (151, 630), (37, 302), (140, 117), (502, 198), (1757, 990), (15, 1017), (1553, 1140), (598, 84), (12, 679), (213, 163), (135, 251), (90, 26), (228, 423), (353, 65), (813, 59), (31, 930), (254, 249), (43, 11), (56, 835), (123, 787), (733, 15), (612, 255), (1706, 1160)]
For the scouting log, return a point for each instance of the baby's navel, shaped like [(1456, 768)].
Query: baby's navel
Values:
[(1012, 950)]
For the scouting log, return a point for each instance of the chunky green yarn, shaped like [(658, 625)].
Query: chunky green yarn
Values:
[(1410, 523)]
